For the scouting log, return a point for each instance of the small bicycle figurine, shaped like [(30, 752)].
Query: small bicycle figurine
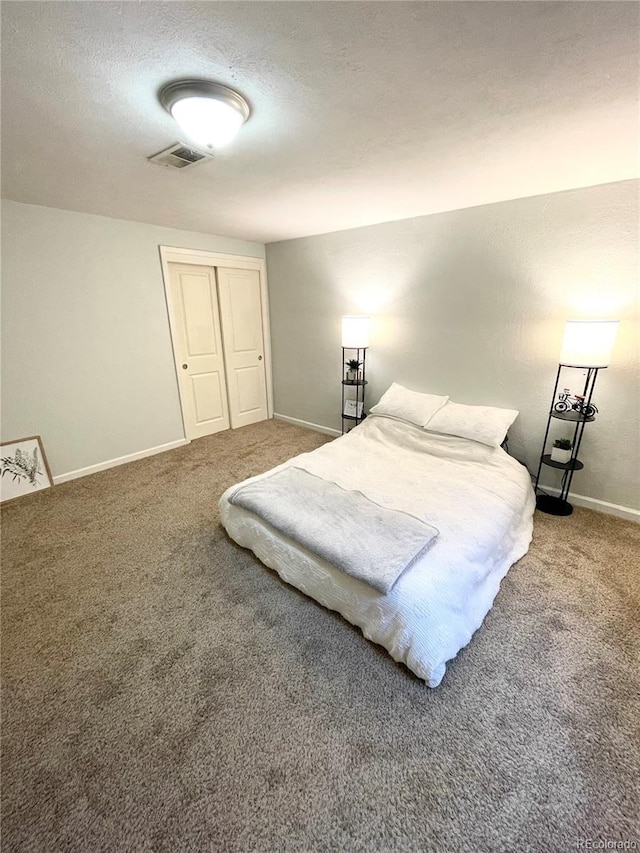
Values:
[(568, 403)]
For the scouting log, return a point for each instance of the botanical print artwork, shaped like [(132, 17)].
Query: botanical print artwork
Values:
[(22, 465), (23, 468)]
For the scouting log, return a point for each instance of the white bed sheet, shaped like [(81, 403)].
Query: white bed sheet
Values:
[(480, 499)]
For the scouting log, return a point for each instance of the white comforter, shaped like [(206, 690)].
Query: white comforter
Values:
[(478, 497)]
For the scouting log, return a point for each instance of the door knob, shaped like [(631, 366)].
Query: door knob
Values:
[(259, 358), (184, 366)]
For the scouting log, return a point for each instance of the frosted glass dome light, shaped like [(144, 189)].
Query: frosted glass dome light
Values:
[(209, 114)]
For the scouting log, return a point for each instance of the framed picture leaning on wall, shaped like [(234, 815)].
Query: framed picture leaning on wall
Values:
[(353, 408), (23, 468)]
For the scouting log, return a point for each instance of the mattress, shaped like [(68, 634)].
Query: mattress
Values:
[(478, 497)]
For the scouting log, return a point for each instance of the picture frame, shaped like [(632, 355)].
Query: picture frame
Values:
[(353, 408), (23, 468)]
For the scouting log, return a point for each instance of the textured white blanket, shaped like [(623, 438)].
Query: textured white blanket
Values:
[(369, 542)]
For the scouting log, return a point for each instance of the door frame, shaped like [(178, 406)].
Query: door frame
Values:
[(200, 257)]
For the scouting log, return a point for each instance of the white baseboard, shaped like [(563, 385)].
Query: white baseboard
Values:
[(121, 460), (307, 424), (579, 500), (599, 506)]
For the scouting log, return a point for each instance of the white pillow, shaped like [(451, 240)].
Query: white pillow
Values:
[(399, 402), (486, 424)]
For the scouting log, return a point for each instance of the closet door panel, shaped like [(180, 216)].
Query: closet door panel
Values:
[(243, 344), (197, 348)]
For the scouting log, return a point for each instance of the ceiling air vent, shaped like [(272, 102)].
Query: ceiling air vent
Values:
[(179, 156)]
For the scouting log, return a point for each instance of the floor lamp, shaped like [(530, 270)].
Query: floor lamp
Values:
[(355, 340), (587, 345)]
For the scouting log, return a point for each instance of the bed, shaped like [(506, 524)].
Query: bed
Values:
[(478, 498)]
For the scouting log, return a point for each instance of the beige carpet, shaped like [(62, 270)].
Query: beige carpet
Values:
[(163, 691)]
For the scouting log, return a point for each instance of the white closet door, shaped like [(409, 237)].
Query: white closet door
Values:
[(197, 344), (241, 312)]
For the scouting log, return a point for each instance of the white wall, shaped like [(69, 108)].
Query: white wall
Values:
[(472, 304), (86, 349)]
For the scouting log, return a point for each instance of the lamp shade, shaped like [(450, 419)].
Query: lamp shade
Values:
[(588, 343), (355, 332)]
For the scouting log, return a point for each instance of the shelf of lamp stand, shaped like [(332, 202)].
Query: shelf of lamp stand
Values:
[(354, 418), (553, 505), (355, 382), (574, 417), (572, 465)]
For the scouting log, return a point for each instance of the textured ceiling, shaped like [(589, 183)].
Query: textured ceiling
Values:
[(362, 112)]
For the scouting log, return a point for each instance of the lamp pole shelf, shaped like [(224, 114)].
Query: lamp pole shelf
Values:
[(587, 345), (350, 420), (574, 417), (579, 418), (355, 339), (572, 465)]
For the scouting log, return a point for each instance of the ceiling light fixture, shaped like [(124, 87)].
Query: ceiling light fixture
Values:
[(210, 114)]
